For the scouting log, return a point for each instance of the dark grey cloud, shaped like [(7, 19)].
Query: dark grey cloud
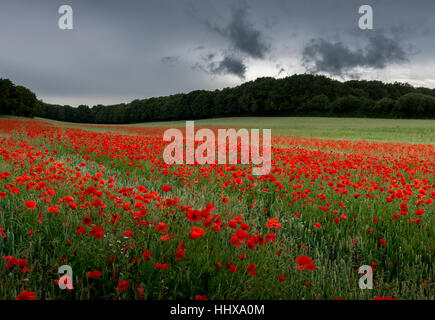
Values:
[(338, 58), (229, 64), (242, 34)]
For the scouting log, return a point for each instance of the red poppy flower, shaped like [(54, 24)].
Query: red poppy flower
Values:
[(225, 200), (166, 188), (2, 232), (196, 232), (123, 285), (128, 233), (281, 278), (270, 237), (53, 209), (161, 266), (81, 230), (147, 255), (305, 262), (419, 212), (31, 205), (273, 224), (232, 268), (161, 227), (198, 297), (252, 269), (140, 291), (210, 206), (26, 295), (194, 215), (87, 221), (180, 253), (97, 232), (167, 237), (94, 274), (98, 203)]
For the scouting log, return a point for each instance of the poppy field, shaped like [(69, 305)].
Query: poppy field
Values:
[(101, 200)]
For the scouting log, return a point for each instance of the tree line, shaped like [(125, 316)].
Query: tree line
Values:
[(17, 100), (297, 95)]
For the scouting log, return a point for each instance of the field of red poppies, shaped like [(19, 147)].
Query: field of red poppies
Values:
[(104, 203)]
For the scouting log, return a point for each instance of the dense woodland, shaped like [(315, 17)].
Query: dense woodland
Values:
[(297, 95)]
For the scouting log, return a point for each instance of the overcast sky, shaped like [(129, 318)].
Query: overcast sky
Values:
[(124, 50)]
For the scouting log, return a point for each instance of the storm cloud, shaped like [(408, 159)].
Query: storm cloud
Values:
[(242, 34), (337, 58), (229, 64)]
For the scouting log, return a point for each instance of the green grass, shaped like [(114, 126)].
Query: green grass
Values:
[(394, 130), (413, 131)]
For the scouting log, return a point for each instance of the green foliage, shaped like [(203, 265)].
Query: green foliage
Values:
[(415, 105), (17, 100), (316, 105), (385, 106), (298, 95)]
